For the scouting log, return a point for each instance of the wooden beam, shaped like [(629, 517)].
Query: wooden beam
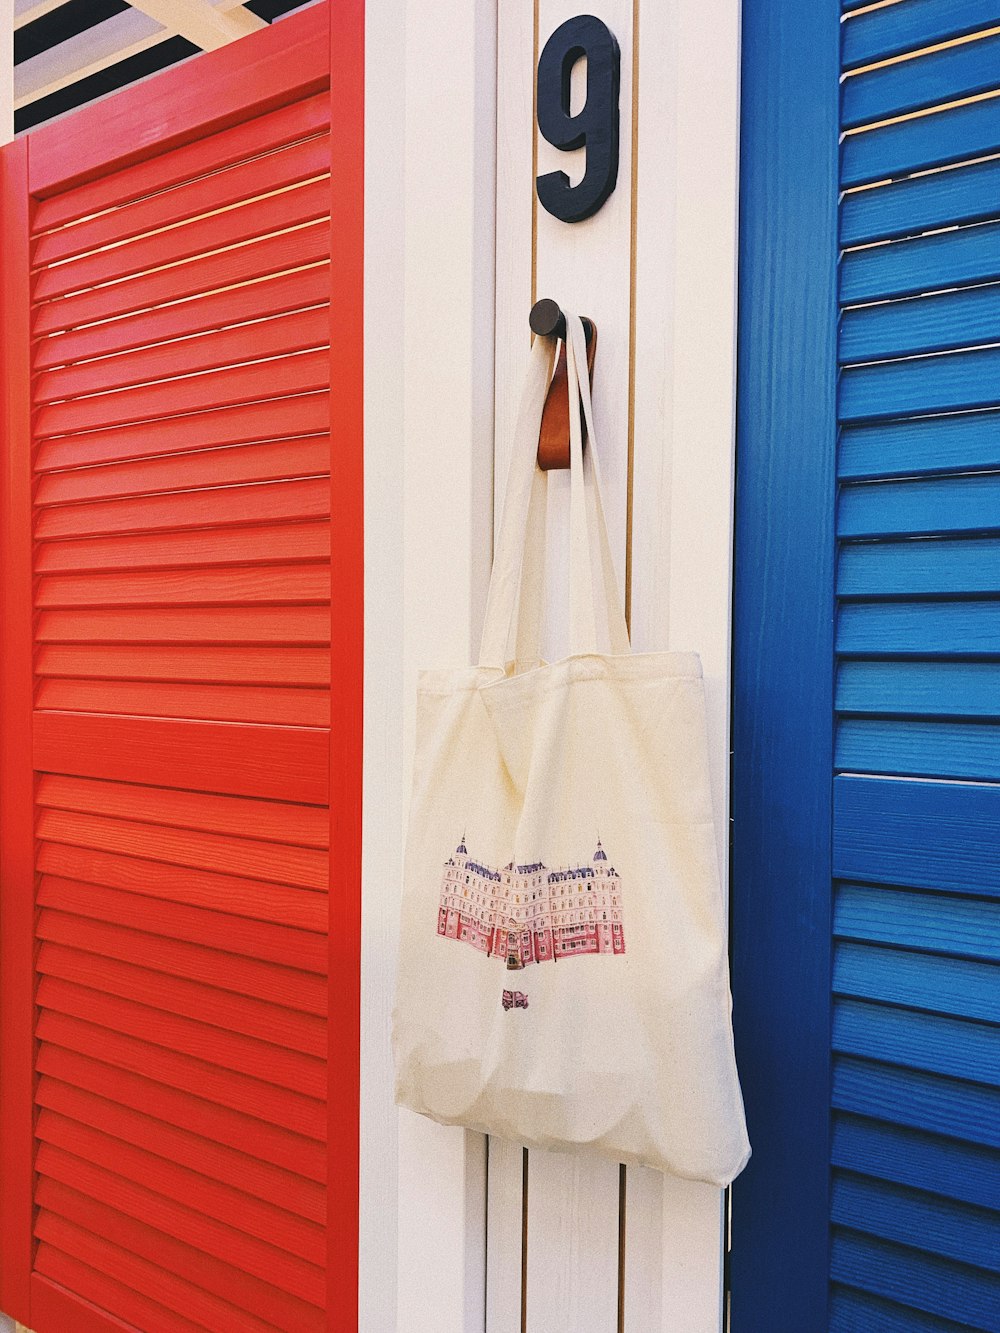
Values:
[(200, 22), (86, 53), (28, 13), (6, 71)]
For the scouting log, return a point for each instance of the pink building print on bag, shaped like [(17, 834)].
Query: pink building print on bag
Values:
[(529, 914)]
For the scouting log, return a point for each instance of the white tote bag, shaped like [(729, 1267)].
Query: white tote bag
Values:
[(563, 977)]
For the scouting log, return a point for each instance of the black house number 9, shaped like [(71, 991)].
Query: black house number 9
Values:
[(594, 127)]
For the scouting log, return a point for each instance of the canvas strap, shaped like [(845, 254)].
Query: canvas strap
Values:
[(514, 611)]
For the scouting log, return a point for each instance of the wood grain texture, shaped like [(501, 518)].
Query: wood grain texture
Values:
[(933, 835), (920, 203), (572, 1277), (879, 35), (221, 185), (257, 300), (307, 414), (912, 1157), (783, 753), (16, 852)]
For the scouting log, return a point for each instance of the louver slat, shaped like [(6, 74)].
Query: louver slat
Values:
[(880, 569), (934, 140), (930, 1284), (283, 335), (925, 324), (203, 193), (283, 1188), (308, 244), (268, 420), (955, 1231), (941, 689), (200, 314), (150, 255), (248, 1293), (942, 76), (922, 264), (921, 203), (853, 1311), (249, 139), (889, 31), (966, 443), (933, 835), (910, 1157)]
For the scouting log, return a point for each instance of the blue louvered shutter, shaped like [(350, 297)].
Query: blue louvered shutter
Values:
[(912, 834)]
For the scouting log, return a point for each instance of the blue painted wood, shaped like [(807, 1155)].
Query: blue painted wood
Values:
[(921, 568), (926, 384), (940, 1045), (923, 506), (962, 1171), (915, 689), (933, 835), (966, 1112), (921, 324), (930, 922), (941, 985), (966, 750), (909, 27), (924, 81), (783, 683), (919, 629), (933, 140), (922, 264), (908, 207), (858, 1312), (962, 443), (915, 1218), (937, 1286)]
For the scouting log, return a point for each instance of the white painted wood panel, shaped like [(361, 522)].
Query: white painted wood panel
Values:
[(505, 1233), (572, 1279), (385, 689), (656, 269), (445, 454)]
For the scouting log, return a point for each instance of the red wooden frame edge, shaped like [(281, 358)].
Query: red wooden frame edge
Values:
[(281, 64), (347, 93), (17, 857)]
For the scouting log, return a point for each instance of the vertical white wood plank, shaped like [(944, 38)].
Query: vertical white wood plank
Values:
[(572, 1244), (514, 248), (385, 688), (504, 1236), (515, 193), (687, 163), (446, 459), (586, 267)]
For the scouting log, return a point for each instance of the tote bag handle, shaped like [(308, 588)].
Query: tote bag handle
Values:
[(516, 594)]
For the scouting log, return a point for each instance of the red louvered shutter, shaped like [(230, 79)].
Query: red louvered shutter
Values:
[(168, 779)]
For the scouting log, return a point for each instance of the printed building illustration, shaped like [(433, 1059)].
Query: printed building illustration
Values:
[(530, 914)]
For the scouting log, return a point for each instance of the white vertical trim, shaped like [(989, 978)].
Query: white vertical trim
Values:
[(682, 503), (383, 786), (445, 453)]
